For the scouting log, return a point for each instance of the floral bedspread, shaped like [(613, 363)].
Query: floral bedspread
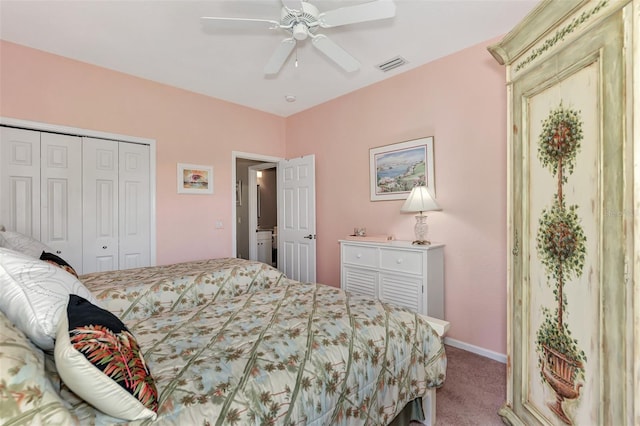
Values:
[(233, 342)]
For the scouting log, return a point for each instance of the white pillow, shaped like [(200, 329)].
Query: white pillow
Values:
[(22, 243), (34, 294)]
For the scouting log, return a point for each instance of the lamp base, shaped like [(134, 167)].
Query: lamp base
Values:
[(421, 243)]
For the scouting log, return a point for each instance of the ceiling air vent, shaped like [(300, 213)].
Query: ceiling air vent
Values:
[(391, 64)]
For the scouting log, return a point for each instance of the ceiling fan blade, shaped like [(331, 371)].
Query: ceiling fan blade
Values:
[(292, 4), (279, 57), (336, 53), (241, 22), (372, 11)]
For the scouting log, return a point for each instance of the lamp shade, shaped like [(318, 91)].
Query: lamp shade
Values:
[(420, 200)]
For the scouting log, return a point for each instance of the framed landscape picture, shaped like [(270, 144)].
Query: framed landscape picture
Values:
[(195, 179), (396, 169)]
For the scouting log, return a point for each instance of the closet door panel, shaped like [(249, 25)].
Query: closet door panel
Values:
[(100, 205), (20, 180), (134, 206), (61, 196)]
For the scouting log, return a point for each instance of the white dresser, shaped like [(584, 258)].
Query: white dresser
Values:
[(396, 272)]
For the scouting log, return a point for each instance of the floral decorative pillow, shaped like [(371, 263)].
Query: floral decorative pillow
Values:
[(100, 361), (59, 262)]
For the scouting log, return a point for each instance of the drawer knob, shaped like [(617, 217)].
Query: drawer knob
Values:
[(58, 252), (359, 256), (399, 261)]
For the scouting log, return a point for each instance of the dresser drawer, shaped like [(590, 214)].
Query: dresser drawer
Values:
[(360, 255), (408, 262)]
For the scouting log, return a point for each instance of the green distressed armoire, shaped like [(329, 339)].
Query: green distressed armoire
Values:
[(573, 214)]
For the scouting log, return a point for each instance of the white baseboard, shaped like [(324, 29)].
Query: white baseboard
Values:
[(476, 350)]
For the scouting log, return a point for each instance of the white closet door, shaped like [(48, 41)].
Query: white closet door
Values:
[(135, 206), (100, 204), (61, 196), (20, 180)]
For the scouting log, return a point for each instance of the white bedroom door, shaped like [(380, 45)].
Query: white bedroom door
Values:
[(297, 218)]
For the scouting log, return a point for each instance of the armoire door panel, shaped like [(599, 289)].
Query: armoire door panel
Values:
[(61, 196), (20, 180), (572, 188)]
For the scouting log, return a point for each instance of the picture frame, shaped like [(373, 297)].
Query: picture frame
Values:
[(194, 179), (239, 192), (395, 169)]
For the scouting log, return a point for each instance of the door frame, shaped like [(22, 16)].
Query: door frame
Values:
[(234, 178)]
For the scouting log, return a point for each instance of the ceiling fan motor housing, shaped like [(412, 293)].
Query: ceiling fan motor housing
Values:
[(302, 22)]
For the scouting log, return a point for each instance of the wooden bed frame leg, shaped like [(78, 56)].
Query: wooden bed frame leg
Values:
[(429, 407)]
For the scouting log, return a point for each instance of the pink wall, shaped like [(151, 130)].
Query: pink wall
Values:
[(460, 101), (187, 127)]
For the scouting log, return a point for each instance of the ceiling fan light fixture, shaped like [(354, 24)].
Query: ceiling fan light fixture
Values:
[(300, 31)]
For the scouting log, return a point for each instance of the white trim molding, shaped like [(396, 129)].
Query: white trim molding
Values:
[(496, 356)]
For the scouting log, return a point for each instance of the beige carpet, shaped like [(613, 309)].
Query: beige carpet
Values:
[(473, 392)]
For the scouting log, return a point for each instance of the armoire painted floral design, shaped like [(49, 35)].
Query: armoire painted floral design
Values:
[(573, 214)]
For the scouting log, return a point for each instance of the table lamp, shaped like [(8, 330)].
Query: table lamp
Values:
[(420, 200)]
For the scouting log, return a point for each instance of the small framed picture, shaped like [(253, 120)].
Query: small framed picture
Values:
[(396, 169), (195, 179)]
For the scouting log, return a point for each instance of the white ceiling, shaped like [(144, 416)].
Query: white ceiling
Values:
[(165, 41)]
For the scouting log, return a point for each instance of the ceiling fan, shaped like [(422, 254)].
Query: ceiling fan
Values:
[(301, 19)]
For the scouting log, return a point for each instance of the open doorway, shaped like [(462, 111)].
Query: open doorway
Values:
[(295, 240), (256, 211)]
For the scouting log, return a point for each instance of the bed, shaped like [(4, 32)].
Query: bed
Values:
[(234, 342)]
